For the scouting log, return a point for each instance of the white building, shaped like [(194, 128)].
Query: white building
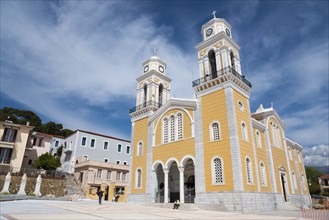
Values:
[(93, 146)]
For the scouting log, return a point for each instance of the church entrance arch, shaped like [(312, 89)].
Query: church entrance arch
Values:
[(159, 186), (173, 182), (189, 180)]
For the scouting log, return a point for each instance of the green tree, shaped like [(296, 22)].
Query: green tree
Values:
[(313, 175), (52, 128), (66, 132), (47, 162), (59, 151), (21, 117)]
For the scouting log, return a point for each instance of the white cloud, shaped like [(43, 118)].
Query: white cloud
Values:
[(316, 155), (86, 53)]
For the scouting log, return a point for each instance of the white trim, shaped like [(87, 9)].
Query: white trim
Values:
[(117, 161), (212, 135), (251, 173), (244, 131), (120, 148), (185, 158), (91, 142), (170, 161), (136, 178), (242, 106), (258, 139), (99, 177), (139, 151), (108, 145), (156, 163), (106, 159), (128, 147), (86, 141), (127, 164), (263, 174), (86, 156), (212, 165), (107, 172)]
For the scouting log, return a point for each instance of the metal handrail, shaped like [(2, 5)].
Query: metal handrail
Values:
[(145, 105), (224, 71)]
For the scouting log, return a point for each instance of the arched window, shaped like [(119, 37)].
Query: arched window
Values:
[(140, 149), (258, 139), (138, 178), (172, 128), (215, 131), (165, 130), (145, 95), (249, 171), (276, 137), (160, 94), (244, 132), (263, 174), (212, 64), (217, 171), (180, 126), (232, 60)]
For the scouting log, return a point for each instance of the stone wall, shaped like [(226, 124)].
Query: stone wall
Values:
[(49, 186)]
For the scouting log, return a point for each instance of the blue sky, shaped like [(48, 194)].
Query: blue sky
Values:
[(76, 63)]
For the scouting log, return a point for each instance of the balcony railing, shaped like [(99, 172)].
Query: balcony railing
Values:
[(144, 106), (222, 72)]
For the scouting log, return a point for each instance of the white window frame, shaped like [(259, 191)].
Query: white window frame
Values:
[(91, 140), (128, 147), (244, 131), (108, 145), (179, 129), (120, 148), (138, 179), (106, 159), (263, 177), (99, 174), (118, 174), (86, 156), (213, 171), (56, 143), (125, 163), (172, 126), (242, 106), (250, 178), (117, 161), (140, 148), (124, 177), (109, 177), (258, 138), (212, 134), (165, 130), (85, 141)]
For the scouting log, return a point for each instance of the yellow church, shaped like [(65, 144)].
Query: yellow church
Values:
[(211, 150)]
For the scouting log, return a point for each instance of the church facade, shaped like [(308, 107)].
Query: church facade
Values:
[(211, 150)]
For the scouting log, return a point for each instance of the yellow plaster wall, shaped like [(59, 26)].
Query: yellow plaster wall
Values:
[(176, 149), (214, 109), (187, 127), (262, 156), (246, 148), (140, 134), (279, 159)]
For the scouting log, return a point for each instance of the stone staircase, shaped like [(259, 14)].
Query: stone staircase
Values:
[(73, 189)]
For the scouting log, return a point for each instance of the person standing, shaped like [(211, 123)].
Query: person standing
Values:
[(100, 195)]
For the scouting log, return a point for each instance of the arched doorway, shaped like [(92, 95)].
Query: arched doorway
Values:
[(173, 182), (189, 181), (159, 190)]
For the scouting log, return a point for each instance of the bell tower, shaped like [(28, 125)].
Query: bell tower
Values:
[(153, 86), (223, 95)]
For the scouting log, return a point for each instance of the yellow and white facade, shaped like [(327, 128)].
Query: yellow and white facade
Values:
[(211, 150)]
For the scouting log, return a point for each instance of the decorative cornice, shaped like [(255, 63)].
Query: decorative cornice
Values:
[(215, 39), (258, 125), (267, 113), (174, 102), (152, 73)]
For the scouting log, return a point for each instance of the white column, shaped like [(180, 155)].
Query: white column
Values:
[(224, 58), (201, 71), (218, 63), (165, 171), (181, 184), (206, 65)]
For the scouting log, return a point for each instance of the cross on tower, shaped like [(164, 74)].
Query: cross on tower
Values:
[(214, 13), (154, 51)]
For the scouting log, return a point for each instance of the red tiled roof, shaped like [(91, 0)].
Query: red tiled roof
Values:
[(324, 176)]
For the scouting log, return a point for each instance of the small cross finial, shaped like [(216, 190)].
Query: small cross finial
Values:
[(154, 51), (214, 13)]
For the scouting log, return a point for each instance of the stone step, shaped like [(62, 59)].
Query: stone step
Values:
[(183, 206)]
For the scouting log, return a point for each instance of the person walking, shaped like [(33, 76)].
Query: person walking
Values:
[(100, 195)]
